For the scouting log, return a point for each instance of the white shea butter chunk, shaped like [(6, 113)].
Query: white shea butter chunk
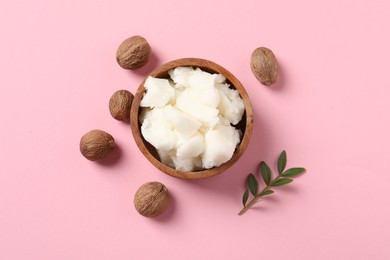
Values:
[(181, 75), (231, 106), (191, 148), (157, 130), (203, 88), (188, 118), (188, 103), (189, 164), (166, 157), (184, 124), (220, 145), (158, 92)]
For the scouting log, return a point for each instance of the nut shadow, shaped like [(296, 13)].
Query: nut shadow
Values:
[(113, 158), (125, 121), (152, 63), (280, 83), (169, 213)]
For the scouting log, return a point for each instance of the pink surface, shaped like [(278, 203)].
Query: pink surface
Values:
[(329, 111)]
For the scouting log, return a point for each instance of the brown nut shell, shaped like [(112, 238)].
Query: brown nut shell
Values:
[(120, 104), (264, 66), (151, 199), (96, 145), (133, 53)]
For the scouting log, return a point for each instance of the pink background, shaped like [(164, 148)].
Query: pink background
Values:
[(330, 111)]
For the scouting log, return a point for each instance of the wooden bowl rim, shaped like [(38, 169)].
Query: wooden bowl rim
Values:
[(207, 66)]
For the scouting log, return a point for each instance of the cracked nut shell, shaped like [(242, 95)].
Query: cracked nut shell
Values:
[(96, 145), (133, 53), (120, 104), (151, 199), (264, 66)]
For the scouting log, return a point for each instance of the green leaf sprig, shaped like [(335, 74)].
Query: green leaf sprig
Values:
[(283, 178)]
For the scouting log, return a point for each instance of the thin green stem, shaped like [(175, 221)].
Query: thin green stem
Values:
[(258, 196), (250, 204)]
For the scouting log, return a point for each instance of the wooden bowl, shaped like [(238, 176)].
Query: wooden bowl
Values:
[(245, 125)]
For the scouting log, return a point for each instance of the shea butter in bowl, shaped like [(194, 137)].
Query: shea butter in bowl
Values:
[(191, 118)]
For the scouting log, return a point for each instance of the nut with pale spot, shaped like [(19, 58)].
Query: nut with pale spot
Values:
[(151, 199), (133, 52), (120, 104), (264, 66), (96, 145)]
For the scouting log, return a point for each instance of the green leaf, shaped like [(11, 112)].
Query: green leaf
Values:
[(282, 162), (293, 172), (265, 172), (245, 197), (281, 182), (252, 184), (266, 192)]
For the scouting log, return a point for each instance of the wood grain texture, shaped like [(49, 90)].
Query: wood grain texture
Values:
[(245, 125)]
